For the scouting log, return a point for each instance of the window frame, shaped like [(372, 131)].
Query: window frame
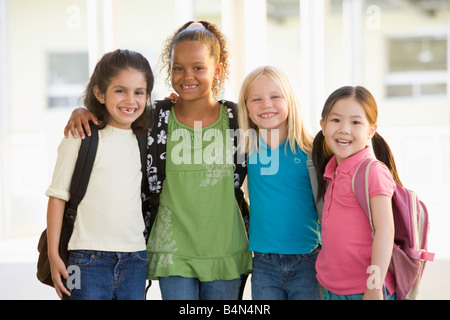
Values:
[(417, 79)]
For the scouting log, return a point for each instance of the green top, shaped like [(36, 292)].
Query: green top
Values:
[(199, 231)]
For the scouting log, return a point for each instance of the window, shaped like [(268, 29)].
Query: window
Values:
[(68, 74), (418, 66)]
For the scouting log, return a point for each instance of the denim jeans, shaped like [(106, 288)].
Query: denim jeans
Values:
[(109, 275), (180, 288), (328, 295), (285, 276)]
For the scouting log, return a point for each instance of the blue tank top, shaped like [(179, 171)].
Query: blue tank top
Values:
[(283, 217)]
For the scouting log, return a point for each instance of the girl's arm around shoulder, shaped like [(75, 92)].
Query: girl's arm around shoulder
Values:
[(78, 120)]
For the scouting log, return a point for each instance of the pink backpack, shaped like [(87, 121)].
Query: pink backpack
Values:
[(410, 251)]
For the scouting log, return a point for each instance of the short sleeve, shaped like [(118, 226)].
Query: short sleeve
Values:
[(65, 165), (380, 180)]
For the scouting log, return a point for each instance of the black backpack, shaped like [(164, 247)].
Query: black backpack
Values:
[(78, 186), (156, 166), (156, 161)]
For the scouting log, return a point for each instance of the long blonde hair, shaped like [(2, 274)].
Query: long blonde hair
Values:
[(297, 134)]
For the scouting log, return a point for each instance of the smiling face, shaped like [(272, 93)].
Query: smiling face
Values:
[(267, 107), (193, 70), (125, 98), (347, 129)]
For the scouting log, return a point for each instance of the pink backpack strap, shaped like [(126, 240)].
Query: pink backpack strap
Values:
[(360, 186)]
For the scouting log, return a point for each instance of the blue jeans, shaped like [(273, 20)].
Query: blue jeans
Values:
[(180, 288), (285, 276), (328, 295), (109, 275)]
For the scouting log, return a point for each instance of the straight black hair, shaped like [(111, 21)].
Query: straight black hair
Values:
[(321, 153)]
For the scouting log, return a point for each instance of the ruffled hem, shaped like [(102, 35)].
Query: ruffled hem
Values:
[(228, 268)]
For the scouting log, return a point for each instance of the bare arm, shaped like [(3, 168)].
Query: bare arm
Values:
[(55, 213), (80, 118), (174, 97), (383, 241)]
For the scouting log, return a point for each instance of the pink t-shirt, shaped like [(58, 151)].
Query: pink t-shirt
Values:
[(346, 233)]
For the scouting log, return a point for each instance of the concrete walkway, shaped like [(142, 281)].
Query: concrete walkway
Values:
[(18, 275)]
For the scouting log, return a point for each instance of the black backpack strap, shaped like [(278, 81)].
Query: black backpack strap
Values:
[(156, 160), (78, 186), (142, 142), (82, 172), (240, 160), (156, 164), (240, 172)]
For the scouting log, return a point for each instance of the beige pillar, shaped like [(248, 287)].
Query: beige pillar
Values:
[(244, 24)]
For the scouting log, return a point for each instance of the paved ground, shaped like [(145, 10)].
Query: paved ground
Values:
[(18, 280)]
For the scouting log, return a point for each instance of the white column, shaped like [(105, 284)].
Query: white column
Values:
[(255, 33), (352, 19), (100, 30), (233, 24), (184, 12), (244, 24), (448, 69), (4, 67), (5, 181), (312, 60)]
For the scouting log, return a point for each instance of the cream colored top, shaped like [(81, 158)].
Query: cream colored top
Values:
[(110, 215)]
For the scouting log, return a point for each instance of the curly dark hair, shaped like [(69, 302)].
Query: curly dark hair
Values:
[(210, 36)]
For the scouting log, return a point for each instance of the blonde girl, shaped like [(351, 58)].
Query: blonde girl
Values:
[(284, 229), (349, 121)]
